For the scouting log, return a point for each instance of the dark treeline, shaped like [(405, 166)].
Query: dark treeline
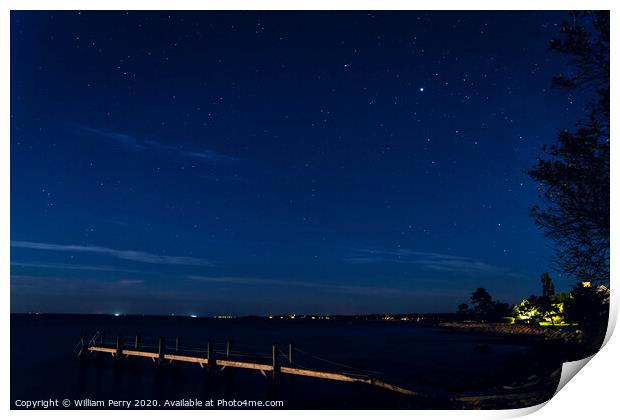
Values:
[(573, 176), (573, 185)]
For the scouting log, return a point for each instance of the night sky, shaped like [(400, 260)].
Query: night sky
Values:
[(254, 163)]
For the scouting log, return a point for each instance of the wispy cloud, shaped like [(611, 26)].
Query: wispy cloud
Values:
[(129, 282), (326, 287), (426, 260), (31, 286), (138, 256), (258, 281), (61, 266), (136, 143)]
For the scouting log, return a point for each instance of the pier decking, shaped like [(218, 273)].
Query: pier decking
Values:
[(207, 359)]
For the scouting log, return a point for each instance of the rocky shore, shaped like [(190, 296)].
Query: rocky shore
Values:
[(517, 330)]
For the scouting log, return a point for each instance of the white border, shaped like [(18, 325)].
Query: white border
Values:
[(308, 5), (591, 395)]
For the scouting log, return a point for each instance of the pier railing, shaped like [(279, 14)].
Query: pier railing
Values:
[(271, 363)]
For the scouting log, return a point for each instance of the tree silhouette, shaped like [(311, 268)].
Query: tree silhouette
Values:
[(589, 307), (481, 301), (546, 300), (485, 308), (463, 308), (548, 288), (573, 177)]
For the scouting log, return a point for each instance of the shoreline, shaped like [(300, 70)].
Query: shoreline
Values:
[(516, 331)]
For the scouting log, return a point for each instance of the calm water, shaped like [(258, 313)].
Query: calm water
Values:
[(427, 359)]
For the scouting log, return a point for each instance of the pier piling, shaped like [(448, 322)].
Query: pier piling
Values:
[(291, 349), (274, 361), (119, 345), (161, 350)]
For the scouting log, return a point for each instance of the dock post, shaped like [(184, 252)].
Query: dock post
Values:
[(177, 344), (274, 360), (228, 347), (161, 349), (119, 345), (210, 358), (136, 343), (291, 350)]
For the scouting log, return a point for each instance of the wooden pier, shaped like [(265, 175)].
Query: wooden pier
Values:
[(209, 360)]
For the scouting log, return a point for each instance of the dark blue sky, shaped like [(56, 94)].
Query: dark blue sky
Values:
[(196, 162)]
